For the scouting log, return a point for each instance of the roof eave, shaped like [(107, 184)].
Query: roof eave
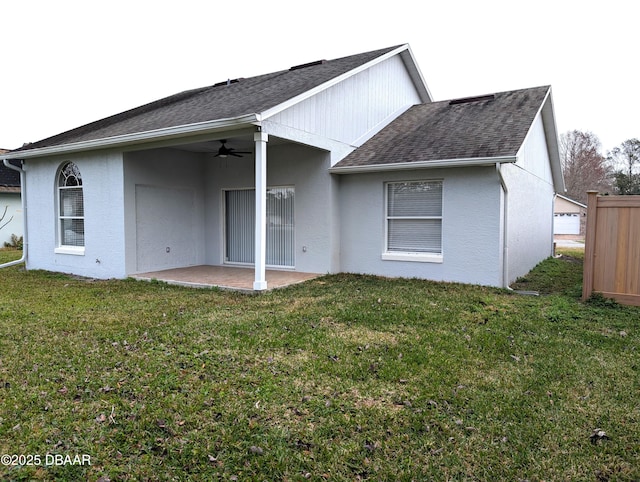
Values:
[(10, 189), (547, 115), (437, 164), (553, 144), (416, 75), (135, 138), (573, 201), (546, 112)]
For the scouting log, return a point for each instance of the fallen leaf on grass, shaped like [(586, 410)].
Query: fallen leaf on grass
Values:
[(371, 446), (303, 445), (256, 450), (597, 435)]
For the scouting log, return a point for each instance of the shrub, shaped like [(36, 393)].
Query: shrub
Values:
[(16, 242)]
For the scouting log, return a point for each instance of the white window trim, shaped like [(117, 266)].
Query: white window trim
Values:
[(73, 250), (63, 248), (414, 257), (411, 256)]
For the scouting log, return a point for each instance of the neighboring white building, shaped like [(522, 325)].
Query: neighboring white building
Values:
[(569, 217), (340, 165), (10, 204)]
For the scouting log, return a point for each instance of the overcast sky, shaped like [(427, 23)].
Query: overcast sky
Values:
[(65, 63)]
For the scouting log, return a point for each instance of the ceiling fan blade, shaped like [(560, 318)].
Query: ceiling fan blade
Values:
[(224, 151)]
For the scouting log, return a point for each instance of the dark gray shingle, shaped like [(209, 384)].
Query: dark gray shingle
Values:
[(446, 130), (8, 177)]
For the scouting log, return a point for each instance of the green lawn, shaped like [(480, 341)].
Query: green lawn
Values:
[(341, 378)]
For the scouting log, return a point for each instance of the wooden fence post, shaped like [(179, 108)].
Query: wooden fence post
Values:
[(590, 244)]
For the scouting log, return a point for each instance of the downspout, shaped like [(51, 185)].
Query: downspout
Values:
[(505, 233), (23, 197)]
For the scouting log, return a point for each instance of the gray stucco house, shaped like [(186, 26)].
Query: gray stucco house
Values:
[(345, 165)]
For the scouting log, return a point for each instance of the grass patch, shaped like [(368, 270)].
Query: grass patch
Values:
[(341, 378), (562, 274), (9, 254)]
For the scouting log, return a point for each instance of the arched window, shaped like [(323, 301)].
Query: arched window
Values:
[(70, 206)]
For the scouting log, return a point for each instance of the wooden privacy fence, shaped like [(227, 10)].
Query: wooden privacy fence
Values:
[(612, 248)]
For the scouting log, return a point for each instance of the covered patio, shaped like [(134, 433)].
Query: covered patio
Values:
[(225, 277)]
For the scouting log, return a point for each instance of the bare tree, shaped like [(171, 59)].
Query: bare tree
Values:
[(583, 165), (3, 216), (626, 156), (626, 160)]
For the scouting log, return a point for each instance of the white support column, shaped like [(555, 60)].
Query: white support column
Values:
[(260, 281)]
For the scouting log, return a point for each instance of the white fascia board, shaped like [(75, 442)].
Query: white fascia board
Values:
[(136, 138), (553, 143), (551, 136), (533, 123), (445, 163), (310, 93), (416, 75)]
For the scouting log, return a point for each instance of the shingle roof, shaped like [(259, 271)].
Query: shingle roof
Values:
[(244, 97), (8, 177), (482, 127)]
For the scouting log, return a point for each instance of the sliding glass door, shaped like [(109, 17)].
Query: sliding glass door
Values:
[(240, 218)]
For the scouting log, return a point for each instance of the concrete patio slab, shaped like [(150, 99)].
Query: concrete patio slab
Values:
[(226, 277)]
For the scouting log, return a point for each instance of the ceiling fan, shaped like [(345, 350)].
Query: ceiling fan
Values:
[(225, 151)]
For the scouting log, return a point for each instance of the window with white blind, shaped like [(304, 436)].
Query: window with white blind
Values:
[(413, 221), (240, 208), (70, 209)]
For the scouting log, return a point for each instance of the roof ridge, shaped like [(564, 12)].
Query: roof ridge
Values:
[(502, 92)]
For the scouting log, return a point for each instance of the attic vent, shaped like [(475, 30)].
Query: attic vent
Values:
[(227, 82), (467, 100), (310, 64)]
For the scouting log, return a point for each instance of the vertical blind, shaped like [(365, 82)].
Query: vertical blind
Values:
[(71, 217), (240, 226), (414, 217), (280, 227), (71, 206), (240, 217)]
